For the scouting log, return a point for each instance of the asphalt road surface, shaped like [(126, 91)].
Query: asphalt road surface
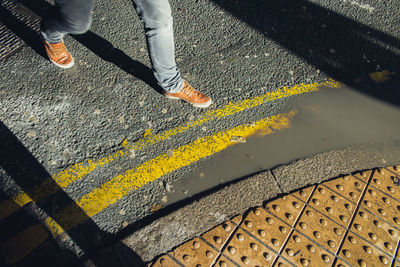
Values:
[(90, 154)]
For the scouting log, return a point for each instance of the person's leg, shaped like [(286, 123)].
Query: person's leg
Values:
[(158, 27), (67, 16), (157, 20)]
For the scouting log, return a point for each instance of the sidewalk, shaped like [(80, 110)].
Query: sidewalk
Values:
[(352, 220)]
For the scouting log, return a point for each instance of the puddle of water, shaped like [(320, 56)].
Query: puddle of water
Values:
[(331, 119)]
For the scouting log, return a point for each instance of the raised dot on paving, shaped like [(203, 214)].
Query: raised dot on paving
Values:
[(281, 262), (267, 228), (363, 175), (386, 181), (348, 186), (220, 234), (224, 262), (295, 252), (321, 229), (164, 261), (194, 252), (304, 193), (332, 205), (373, 201), (244, 250), (373, 229), (356, 251), (319, 216), (286, 208)]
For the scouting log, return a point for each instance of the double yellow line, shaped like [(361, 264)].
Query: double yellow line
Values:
[(119, 186), (79, 170)]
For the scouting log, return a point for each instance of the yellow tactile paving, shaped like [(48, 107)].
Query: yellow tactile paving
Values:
[(267, 228), (237, 219), (358, 252), (219, 235), (286, 208), (245, 250), (304, 193), (225, 262), (387, 182), (382, 205), (195, 253), (304, 252), (376, 231), (394, 169), (347, 186), (353, 220), (164, 261), (332, 205), (321, 229), (281, 262), (364, 175)]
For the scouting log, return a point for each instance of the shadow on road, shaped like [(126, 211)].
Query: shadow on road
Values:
[(337, 45), (19, 167), (93, 42)]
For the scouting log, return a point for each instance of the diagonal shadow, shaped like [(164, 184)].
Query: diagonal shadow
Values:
[(337, 45), (93, 42), (18, 166)]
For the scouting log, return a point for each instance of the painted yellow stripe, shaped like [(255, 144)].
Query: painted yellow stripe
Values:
[(113, 190), (79, 170), (233, 108), (118, 187), (51, 184)]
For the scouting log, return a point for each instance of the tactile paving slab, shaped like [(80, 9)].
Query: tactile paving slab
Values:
[(353, 220), (265, 227), (9, 41)]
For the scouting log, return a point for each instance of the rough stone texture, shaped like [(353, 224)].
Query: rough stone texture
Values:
[(199, 216), (335, 163), (183, 224)]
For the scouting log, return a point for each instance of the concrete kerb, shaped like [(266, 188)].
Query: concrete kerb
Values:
[(207, 211)]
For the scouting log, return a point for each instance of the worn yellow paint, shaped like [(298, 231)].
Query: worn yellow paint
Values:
[(124, 143), (147, 133), (233, 108), (79, 170), (381, 76), (52, 184), (118, 187), (54, 228), (23, 243)]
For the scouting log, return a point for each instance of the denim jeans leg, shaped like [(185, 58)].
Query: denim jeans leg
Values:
[(66, 17), (158, 27)]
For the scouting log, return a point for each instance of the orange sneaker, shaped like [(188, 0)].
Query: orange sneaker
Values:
[(59, 55), (191, 95)]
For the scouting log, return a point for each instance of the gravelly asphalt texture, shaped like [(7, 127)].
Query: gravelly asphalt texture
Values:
[(232, 50)]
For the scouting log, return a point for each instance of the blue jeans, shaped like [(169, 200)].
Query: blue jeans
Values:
[(74, 17)]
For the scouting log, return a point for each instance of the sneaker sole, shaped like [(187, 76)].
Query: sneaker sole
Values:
[(197, 105), (67, 66)]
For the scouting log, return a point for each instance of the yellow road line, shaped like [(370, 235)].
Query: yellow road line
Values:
[(51, 184), (119, 186), (233, 108), (79, 170)]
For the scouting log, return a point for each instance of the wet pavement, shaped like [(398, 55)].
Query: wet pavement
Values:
[(358, 119), (352, 220)]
